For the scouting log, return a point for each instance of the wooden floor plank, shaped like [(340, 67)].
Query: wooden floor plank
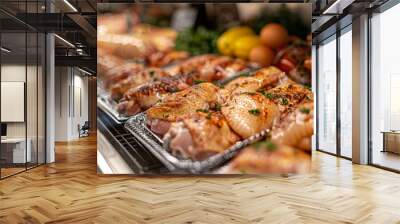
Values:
[(70, 191)]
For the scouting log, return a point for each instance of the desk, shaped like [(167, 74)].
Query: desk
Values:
[(391, 141), (13, 150)]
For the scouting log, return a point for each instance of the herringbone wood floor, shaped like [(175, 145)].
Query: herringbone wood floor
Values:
[(70, 191)]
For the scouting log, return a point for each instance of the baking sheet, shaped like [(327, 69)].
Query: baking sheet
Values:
[(137, 126), (110, 107)]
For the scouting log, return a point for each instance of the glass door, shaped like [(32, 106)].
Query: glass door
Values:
[(22, 98), (326, 72)]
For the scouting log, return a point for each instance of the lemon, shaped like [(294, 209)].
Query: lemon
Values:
[(244, 45), (226, 42)]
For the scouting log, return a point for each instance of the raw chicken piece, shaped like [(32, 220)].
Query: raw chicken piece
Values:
[(120, 73), (135, 79), (296, 129), (268, 157), (161, 59), (249, 113), (264, 78), (201, 136), (190, 65), (208, 68), (147, 95), (106, 62), (126, 46), (288, 96), (186, 102), (183, 104)]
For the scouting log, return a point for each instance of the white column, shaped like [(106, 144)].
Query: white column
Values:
[(360, 90), (50, 92), (50, 100)]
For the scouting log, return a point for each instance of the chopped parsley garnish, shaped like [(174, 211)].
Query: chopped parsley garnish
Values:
[(208, 115), (307, 86), (198, 81), (245, 74), (266, 144), (202, 110), (269, 96), (217, 107), (305, 110), (152, 73), (255, 112), (284, 101)]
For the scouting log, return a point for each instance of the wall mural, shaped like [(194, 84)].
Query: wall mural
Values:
[(186, 89)]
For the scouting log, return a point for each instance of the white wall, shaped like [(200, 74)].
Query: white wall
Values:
[(71, 94)]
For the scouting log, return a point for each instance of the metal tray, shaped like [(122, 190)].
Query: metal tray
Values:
[(109, 106), (137, 126)]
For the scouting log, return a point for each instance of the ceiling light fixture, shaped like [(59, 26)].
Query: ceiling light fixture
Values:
[(64, 40), (70, 5), (337, 7), (84, 71), (5, 50)]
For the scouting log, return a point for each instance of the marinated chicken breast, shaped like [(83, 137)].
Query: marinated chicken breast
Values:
[(201, 136), (120, 73), (209, 68), (161, 59), (177, 106), (288, 96), (125, 46), (145, 96), (186, 102), (265, 78), (249, 113), (106, 62), (268, 157), (135, 79), (296, 129), (190, 64)]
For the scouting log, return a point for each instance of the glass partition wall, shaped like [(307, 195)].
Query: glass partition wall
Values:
[(385, 89), (22, 77), (334, 94)]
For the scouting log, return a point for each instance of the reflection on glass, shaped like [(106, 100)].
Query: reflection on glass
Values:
[(346, 93), (385, 83), (327, 95)]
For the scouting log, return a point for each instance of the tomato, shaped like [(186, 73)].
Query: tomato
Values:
[(286, 65)]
